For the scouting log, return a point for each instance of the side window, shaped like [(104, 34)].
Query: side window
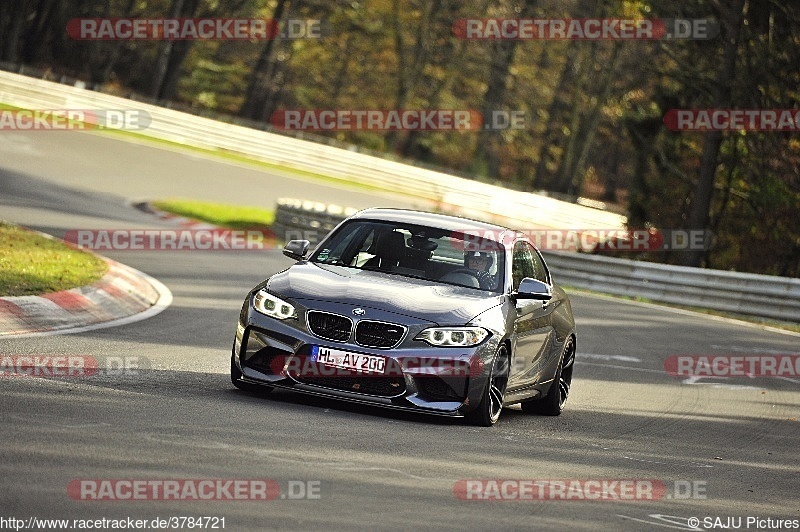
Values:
[(539, 268), (340, 247), (522, 263)]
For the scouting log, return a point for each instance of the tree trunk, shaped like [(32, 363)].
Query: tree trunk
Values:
[(584, 127), (542, 177), (701, 201), (164, 55), (36, 35), (612, 179), (409, 69), (12, 19), (487, 156), (171, 56), (254, 97), (341, 72), (169, 83)]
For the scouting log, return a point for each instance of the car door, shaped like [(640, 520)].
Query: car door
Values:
[(533, 324)]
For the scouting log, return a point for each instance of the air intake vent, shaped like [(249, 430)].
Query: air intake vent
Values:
[(379, 334), (329, 326)]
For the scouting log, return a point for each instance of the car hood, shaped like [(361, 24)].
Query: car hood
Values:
[(419, 298)]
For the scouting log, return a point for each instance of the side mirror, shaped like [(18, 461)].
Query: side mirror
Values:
[(530, 288), (296, 249)]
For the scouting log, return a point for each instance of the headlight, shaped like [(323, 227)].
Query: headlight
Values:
[(453, 336), (266, 303)]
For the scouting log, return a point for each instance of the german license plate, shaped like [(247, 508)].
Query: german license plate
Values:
[(346, 360)]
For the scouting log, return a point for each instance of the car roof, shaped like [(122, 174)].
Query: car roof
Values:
[(439, 221)]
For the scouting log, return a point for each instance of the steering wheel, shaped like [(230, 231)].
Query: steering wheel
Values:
[(466, 270)]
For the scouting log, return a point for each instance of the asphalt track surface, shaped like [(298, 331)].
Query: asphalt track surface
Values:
[(734, 440)]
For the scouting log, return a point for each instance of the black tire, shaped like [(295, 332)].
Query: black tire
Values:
[(488, 411), (552, 404), (236, 374)]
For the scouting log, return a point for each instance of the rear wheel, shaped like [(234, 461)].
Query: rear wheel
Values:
[(236, 374), (488, 411), (552, 404)]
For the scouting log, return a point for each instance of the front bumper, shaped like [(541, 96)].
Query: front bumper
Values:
[(417, 376)]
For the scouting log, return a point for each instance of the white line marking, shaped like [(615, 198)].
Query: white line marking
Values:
[(668, 524), (694, 379), (759, 350), (691, 380), (665, 463), (631, 368), (621, 358)]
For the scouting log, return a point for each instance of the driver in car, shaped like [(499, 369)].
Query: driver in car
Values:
[(480, 262)]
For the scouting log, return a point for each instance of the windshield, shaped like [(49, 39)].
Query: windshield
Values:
[(438, 255)]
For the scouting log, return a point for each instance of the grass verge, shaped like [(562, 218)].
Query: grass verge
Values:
[(31, 264), (224, 215)]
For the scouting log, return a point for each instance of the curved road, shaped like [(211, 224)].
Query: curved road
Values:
[(729, 444)]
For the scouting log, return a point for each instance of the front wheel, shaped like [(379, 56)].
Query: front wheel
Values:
[(488, 411), (552, 404)]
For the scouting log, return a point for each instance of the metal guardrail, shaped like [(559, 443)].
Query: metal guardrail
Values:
[(765, 296), (749, 294), (445, 191)]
